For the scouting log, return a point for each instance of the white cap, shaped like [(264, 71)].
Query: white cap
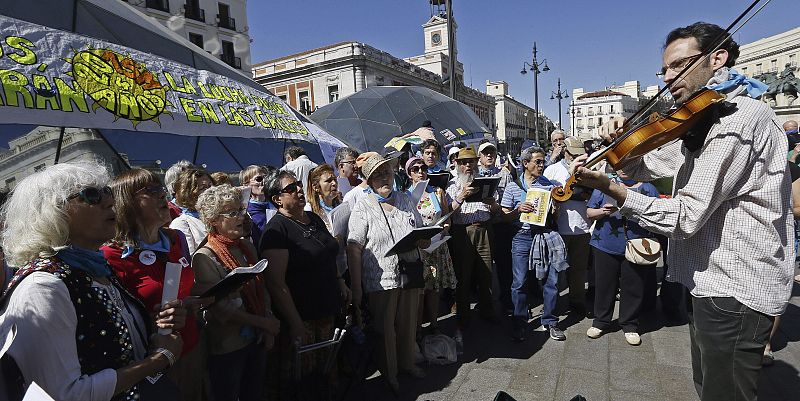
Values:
[(453, 151), (486, 145)]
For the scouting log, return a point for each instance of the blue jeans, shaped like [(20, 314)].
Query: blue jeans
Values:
[(520, 252)]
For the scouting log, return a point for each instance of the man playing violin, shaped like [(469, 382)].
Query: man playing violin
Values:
[(729, 218)]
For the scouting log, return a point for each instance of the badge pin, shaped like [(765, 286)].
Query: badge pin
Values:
[(147, 257)]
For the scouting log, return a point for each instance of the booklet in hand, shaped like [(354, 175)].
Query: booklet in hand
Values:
[(486, 187), (235, 279), (409, 242), (440, 179)]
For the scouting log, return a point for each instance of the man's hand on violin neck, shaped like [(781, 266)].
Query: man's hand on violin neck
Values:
[(600, 181)]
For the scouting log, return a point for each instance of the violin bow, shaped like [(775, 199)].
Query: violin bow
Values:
[(636, 119)]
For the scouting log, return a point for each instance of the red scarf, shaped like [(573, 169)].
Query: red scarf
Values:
[(253, 291)]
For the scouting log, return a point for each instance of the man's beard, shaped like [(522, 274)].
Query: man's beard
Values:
[(462, 179)]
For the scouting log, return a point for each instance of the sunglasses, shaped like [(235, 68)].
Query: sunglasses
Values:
[(417, 169), (465, 161), (153, 190), (292, 188), (92, 195), (258, 178), (234, 214)]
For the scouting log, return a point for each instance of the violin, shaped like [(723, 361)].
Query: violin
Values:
[(640, 140)]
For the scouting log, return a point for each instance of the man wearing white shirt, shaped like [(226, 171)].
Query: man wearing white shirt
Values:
[(573, 225), (298, 163)]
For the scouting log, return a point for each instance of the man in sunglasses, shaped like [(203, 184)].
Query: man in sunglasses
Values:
[(729, 217)]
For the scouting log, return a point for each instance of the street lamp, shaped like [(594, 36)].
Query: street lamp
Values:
[(534, 66), (559, 95)]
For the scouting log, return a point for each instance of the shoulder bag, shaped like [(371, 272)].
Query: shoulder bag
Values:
[(641, 251)]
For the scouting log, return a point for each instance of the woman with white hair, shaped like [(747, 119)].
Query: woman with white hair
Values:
[(241, 328), (80, 335)]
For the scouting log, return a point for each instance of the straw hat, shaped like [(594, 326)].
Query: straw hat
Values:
[(363, 158), (466, 153), (373, 162)]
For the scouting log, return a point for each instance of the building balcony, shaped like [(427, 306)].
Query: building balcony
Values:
[(231, 60), (226, 22), (591, 113), (161, 5), (195, 13)]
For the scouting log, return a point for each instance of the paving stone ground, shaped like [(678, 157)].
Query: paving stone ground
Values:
[(603, 369)]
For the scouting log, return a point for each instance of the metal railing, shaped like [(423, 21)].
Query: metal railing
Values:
[(226, 22), (194, 12), (231, 60), (162, 5)]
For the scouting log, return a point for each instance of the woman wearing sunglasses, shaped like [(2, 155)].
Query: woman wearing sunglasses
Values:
[(241, 328), (433, 204), (81, 335), (302, 276), (259, 207), (190, 184), (378, 221), (139, 254)]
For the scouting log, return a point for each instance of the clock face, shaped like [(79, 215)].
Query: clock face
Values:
[(436, 38)]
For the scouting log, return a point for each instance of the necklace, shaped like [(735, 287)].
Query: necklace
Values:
[(307, 229)]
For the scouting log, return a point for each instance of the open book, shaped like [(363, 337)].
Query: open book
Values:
[(409, 242), (235, 279), (486, 188), (440, 179)]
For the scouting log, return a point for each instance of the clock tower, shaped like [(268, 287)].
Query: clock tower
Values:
[(436, 37)]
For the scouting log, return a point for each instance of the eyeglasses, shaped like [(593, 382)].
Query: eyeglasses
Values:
[(234, 214), (465, 161), (92, 195), (353, 162), (678, 65), (292, 188), (538, 162), (153, 190)]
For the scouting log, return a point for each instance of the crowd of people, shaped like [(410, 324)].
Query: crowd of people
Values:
[(90, 255)]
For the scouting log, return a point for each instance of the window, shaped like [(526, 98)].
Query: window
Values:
[(228, 56), (610, 108), (196, 39), (744, 70), (599, 121), (773, 65), (282, 97), (10, 182), (333, 93), (40, 167), (304, 101), (599, 109), (791, 60), (758, 68), (224, 17), (193, 11)]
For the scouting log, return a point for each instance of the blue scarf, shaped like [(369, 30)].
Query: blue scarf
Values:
[(324, 206), (754, 87), (267, 204), (162, 245), (92, 262), (193, 213), (380, 199)]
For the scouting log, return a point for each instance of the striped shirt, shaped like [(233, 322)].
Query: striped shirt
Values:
[(729, 219), (469, 212)]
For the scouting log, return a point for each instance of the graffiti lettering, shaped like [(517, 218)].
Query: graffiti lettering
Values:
[(26, 55), (14, 85)]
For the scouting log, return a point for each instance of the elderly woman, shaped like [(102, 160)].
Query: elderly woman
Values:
[(433, 204), (240, 329), (259, 207), (139, 254), (525, 237), (302, 276), (376, 223), (323, 192), (81, 335), (190, 184), (613, 272)]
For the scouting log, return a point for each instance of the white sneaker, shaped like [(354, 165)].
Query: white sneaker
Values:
[(633, 338), (594, 332)]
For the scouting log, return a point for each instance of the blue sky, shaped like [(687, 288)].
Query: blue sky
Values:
[(589, 44)]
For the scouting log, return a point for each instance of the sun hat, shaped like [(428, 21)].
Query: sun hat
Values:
[(363, 158), (373, 162), (466, 153), (574, 146)]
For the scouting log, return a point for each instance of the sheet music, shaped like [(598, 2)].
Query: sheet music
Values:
[(417, 191), (436, 242)]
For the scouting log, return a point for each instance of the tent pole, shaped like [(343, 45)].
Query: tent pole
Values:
[(196, 149), (119, 156), (58, 146), (230, 154)]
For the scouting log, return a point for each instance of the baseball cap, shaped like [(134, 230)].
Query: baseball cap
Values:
[(574, 146), (486, 145)]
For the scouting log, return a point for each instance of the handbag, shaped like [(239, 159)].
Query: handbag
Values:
[(410, 272), (641, 251)]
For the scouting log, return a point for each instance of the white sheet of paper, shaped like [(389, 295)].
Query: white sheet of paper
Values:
[(172, 279), (35, 393), (339, 217), (417, 191), (437, 241)]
